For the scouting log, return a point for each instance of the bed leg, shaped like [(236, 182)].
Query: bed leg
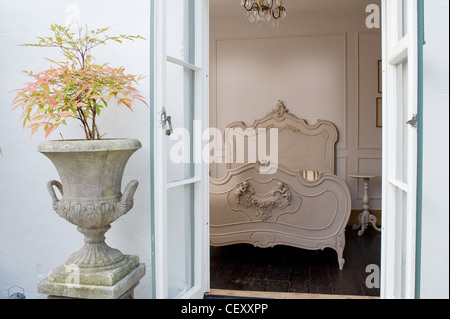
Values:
[(340, 245)]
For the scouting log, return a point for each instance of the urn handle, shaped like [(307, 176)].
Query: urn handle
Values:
[(130, 190), (51, 190), (127, 201)]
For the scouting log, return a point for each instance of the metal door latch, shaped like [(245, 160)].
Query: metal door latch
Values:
[(413, 122), (166, 121)]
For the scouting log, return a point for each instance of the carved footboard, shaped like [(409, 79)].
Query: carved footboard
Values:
[(279, 209)]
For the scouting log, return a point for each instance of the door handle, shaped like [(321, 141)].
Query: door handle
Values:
[(169, 131), (166, 121), (413, 122)]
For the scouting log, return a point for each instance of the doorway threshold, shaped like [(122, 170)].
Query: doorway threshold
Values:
[(236, 294)]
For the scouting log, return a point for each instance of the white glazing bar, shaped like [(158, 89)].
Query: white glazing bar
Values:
[(184, 64), (183, 182), (399, 53)]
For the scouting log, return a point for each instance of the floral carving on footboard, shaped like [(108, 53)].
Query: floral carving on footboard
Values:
[(279, 197)]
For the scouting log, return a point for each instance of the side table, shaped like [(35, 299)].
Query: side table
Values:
[(365, 217)]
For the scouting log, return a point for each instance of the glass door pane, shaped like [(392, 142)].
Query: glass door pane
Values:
[(400, 264), (402, 113), (404, 10), (180, 107), (180, 35), (180, 240)]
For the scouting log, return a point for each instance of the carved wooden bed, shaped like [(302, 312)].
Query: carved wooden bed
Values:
[(301, 204)]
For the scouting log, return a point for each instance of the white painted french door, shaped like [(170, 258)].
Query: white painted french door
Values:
[(400, 99), (180, 114)]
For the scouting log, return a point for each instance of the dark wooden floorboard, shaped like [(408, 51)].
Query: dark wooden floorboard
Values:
[(288, 269)]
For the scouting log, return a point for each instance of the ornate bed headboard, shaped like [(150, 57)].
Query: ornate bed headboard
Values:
[(300, 145)]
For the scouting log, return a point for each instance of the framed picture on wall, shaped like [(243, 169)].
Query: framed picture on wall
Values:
[(380, 77), (379, 112)]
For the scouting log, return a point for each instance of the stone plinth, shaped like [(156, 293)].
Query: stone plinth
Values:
[(71, 282)]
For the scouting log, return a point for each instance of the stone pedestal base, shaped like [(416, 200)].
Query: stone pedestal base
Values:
[(117, 283)]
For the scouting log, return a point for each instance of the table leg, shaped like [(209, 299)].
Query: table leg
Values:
[(366, 217)]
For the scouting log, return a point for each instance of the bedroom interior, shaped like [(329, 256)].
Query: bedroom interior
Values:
[(321, 63)]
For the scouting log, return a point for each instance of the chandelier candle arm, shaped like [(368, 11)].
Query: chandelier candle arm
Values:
[(263, 10)]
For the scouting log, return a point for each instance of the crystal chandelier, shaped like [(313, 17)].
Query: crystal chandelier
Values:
[(260, 11)]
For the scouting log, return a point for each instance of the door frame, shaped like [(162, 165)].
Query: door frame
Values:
[(159, 184), (399, 236), (387, 271)]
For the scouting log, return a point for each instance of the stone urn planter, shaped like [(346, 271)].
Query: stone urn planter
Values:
[(90, 198)]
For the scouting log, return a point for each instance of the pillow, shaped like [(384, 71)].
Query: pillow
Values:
[(311, 175)]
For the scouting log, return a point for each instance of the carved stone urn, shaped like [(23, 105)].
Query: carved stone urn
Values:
[(90, 197)]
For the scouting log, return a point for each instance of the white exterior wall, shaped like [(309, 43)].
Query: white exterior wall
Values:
[(33, 238), (435, 231)]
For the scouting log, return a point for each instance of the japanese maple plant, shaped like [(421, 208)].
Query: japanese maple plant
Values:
[(76, 87)]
